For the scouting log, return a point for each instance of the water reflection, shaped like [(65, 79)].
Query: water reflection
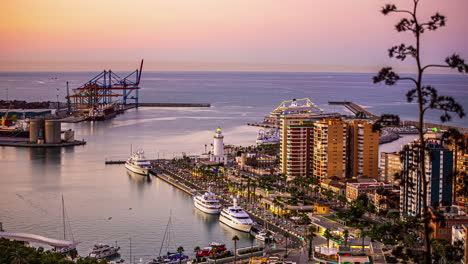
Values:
[(142, 182), (46, 155)]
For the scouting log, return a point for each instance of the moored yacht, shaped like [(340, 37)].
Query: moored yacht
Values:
[(103, 251), (235, 217), (138, 163), (207, 203)]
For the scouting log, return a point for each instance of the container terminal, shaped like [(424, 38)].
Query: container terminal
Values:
[(103, 97)]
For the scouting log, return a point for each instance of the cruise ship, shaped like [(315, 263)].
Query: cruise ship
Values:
[(207, 203), (101, 251), (137, 163), (236, 218)]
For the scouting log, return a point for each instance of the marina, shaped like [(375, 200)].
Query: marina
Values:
[(140, 204)]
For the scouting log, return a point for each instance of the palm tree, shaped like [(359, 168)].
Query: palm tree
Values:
[(327, 234), (346, 236), (286, 236), (180, 250), (362, 235), (311, 237), (196, 250), (342, 199), (252, 239), (235, 239)]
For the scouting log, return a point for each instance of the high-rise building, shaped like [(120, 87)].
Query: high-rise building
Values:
[(439, 167), (296, 145), (390, 165), (461, 167), (363, 150), (330, 148)]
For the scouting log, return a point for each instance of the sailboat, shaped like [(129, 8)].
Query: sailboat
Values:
[(66, 223), (169, 257)]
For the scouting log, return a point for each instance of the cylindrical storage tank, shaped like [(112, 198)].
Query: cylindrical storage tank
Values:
[(69, 136), (52, 132), (34, 127)]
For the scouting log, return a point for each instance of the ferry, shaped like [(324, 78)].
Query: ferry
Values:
[(137, 163), (236, 218), (207, 203), (101, 251)]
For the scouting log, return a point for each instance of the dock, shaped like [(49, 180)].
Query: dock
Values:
[(111, 162), (355, 108), (191, 188), (24, 142), (172, 105)]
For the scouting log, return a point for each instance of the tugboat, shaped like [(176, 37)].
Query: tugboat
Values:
[(137, 163), (207, 203), (101, 251), (236, 218)]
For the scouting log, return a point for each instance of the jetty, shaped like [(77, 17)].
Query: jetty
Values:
[(355, 108), (172, 105)]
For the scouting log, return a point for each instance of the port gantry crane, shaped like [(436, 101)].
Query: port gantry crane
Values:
[(100, 89)]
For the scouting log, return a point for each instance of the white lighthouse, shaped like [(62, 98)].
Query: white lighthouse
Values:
[(218, 147)]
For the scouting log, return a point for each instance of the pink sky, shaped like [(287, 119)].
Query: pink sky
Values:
[(293, 35)]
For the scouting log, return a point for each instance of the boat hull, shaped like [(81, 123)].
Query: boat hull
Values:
[(234, 225), (204, 209), (138, 170)]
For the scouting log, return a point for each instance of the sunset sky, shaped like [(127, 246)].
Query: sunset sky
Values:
[(293, 35)]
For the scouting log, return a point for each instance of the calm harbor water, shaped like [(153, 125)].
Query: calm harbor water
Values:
[(105, 204)]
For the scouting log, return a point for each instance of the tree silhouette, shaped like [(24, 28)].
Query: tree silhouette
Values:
[(346, 236), (426, 96), (235, 239), (196, 250), (180, 250), (311, 237), (327, 234)]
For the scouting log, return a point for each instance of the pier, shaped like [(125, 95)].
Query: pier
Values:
[(355, 108), (172, 105)]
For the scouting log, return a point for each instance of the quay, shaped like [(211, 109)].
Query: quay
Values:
[(192, 188)]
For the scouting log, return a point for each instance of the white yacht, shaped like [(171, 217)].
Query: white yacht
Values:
[(235, 217), (207, 203), (103, 251), (138, 163)]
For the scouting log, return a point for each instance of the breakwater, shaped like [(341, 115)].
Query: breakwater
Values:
[(172, 105)]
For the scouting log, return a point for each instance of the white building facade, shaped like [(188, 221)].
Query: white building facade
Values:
[(217, 154)]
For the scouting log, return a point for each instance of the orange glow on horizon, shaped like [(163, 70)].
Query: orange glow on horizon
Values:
[(328, 32)]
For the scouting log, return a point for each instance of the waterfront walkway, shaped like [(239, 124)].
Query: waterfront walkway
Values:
[(25, 237)]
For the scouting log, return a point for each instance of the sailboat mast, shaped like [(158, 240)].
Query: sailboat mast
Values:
[(63, 217)]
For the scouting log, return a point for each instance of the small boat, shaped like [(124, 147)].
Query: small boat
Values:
[(215, 248), (262, 236), (207, 203), (101, 251), (236, 218), (138, 163), (169, 258)]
